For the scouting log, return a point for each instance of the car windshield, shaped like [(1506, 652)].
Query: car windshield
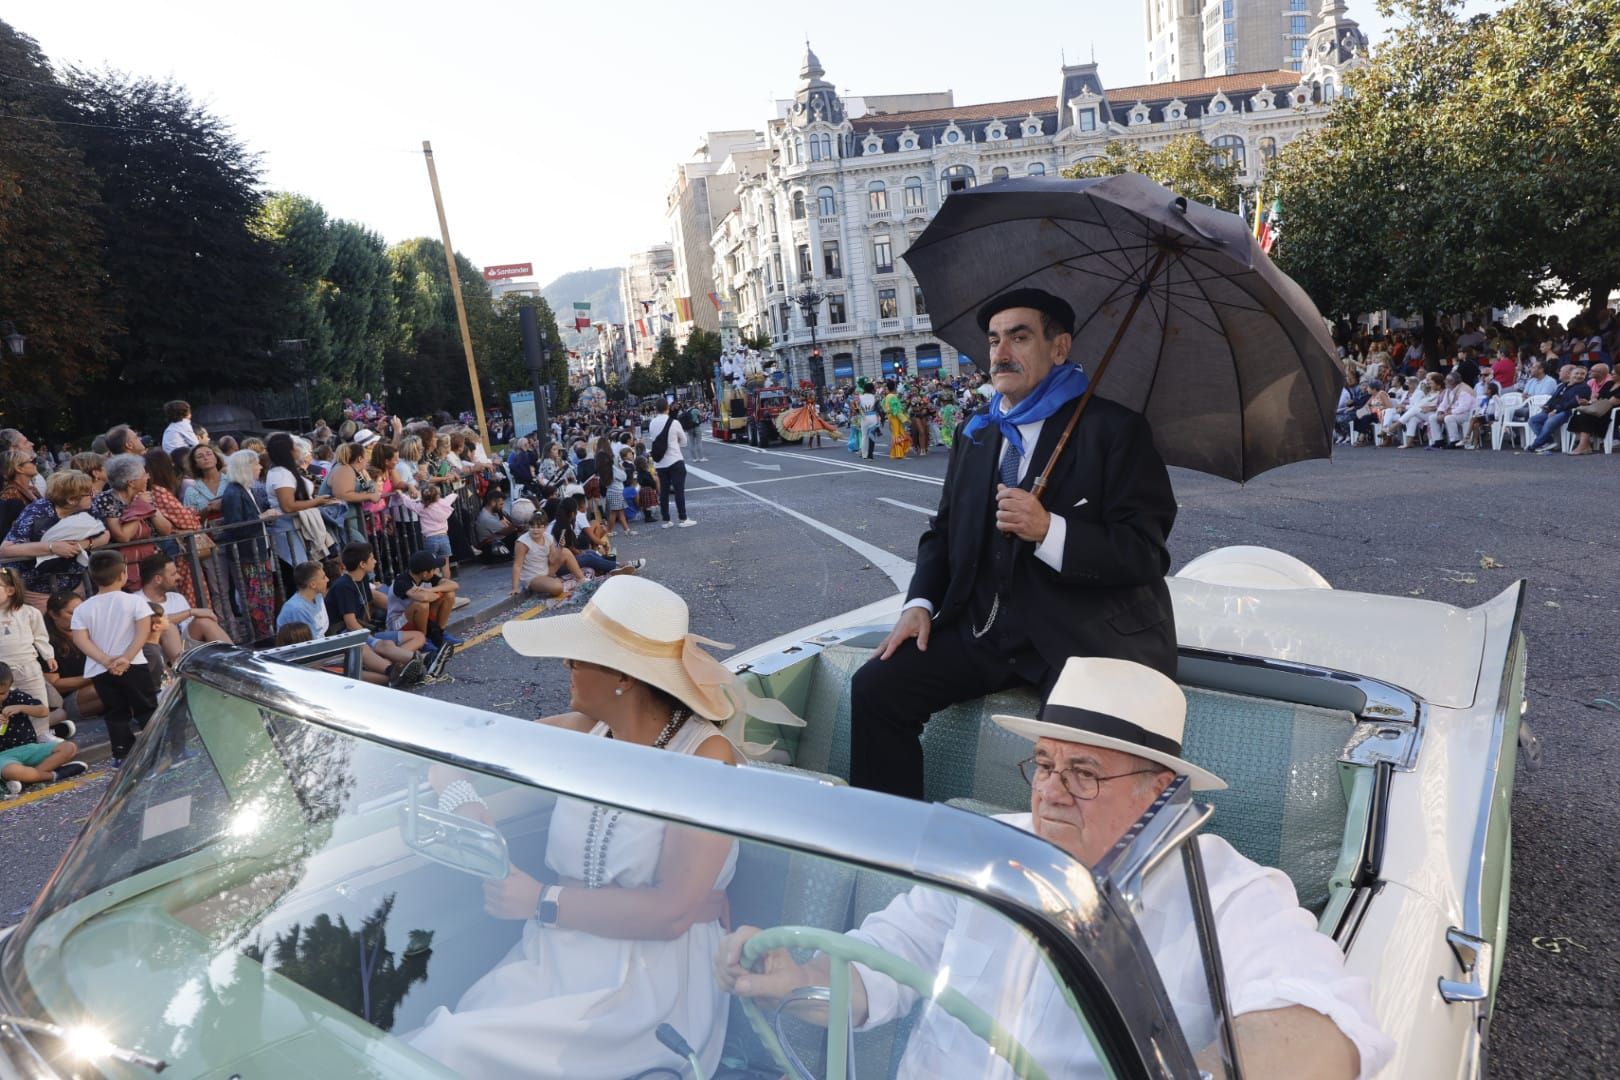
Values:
[(273, 895)]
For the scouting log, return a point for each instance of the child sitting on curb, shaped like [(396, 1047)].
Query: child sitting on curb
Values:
[(23, 759)]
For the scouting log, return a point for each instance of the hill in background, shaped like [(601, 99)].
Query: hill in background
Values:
[(599, 288)]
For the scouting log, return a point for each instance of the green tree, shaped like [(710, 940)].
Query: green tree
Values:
[(503, 360), (759, 342), (643, 381), (360, 313), (426, 368), (51, 276), (695, 363), (305, 246), (1187, 165), (666, 358), (198, 293), (1540, 110)]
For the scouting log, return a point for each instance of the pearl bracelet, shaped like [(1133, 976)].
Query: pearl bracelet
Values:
[(458, 794)]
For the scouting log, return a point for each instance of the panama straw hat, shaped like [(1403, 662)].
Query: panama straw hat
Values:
[(1117, 705), (640, 628)]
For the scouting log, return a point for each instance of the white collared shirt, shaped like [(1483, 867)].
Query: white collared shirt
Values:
[(1049, 550), (1271, 951)]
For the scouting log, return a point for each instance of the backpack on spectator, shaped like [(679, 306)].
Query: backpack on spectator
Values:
[(660, 443)]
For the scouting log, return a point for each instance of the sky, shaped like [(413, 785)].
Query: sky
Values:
[(556, 129)]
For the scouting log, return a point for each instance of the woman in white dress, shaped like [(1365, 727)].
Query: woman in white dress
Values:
[(617, 939)]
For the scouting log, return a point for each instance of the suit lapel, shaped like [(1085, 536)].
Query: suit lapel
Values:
[(1051, 431)]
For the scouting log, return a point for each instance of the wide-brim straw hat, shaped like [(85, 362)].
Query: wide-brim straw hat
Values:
[(1117, 705), (642, 629)]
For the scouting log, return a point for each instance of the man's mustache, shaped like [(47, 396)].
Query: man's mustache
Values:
[(1006, 365)]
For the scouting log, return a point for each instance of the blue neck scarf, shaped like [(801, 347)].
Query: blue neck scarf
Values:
[(1062, 384)]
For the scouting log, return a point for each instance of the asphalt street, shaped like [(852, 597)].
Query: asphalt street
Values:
[(786, 537)]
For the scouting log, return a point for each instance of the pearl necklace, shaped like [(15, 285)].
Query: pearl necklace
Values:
[(603, 821)]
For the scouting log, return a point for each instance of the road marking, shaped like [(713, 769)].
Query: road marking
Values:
[(899, 570), (494, 631), (766, 480), (50, 789), (767, 468), (906, 505), (935, 481)]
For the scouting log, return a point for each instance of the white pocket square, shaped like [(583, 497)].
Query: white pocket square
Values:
[(1081, 503)]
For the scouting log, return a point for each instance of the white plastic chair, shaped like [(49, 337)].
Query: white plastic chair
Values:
[(1535, 402), (1506, 405)]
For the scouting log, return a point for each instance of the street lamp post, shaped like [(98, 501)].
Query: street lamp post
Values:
[(14, 341), (809, 301), (537, 355)]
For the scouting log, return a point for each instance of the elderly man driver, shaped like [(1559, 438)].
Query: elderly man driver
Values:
[(1107, 743)]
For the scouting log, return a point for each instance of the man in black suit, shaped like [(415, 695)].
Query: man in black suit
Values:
[(1007, 586)]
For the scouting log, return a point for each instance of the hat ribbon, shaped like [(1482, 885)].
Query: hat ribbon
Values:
[(1109, 726), (716, 682)]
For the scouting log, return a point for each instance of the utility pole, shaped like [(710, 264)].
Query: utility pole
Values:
[(455, 291)]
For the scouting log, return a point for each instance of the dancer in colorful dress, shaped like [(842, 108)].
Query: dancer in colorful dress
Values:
[(894, 406)]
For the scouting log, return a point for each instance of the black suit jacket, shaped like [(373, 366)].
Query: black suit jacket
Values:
[(1113, 491)]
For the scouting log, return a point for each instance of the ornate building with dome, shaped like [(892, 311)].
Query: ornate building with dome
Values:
[(845, 185)]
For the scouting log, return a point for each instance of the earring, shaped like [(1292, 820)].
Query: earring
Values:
[(618, 691)]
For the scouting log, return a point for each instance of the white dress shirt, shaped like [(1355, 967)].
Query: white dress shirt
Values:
[(179, 434), (1271, 950), (1049, 550)]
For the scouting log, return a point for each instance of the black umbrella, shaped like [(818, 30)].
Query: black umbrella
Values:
[(1179, 314)]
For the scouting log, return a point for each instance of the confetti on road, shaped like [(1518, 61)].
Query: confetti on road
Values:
[(1488, 563)]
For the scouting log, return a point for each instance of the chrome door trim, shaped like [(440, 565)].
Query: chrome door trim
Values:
[(1468, 941), (1099, 955)]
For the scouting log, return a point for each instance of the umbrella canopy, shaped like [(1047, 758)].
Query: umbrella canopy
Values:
[(1222, 352)]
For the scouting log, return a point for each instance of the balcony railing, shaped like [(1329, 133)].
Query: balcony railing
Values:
[(921, 322)]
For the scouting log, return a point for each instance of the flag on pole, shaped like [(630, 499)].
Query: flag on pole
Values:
[(714, 298), (1272, 229), (1259, 210), (582, 315), (641, 324), (683, 308)]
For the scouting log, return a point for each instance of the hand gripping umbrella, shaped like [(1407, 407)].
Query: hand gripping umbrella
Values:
[(1179, 316)]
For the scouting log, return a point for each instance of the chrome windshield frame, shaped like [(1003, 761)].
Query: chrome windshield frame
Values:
[(1095, 949)]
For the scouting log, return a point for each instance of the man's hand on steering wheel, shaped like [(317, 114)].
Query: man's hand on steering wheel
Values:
[(779, 976), (914, 622)]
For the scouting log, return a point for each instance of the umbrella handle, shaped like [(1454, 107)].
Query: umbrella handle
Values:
[(1038, 489)]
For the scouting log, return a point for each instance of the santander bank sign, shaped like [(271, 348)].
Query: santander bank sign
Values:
[(508, 270)]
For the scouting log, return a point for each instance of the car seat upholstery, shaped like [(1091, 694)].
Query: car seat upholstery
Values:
[(1285, 803)]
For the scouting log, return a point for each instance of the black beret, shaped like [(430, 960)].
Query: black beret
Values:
[(1053, 307)]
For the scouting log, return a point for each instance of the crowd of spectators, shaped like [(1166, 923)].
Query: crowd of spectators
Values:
[(1535, 381)]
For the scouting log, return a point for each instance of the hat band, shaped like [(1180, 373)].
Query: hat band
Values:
[(1109, 726)]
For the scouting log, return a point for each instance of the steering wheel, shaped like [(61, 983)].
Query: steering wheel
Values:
[(843, 951)]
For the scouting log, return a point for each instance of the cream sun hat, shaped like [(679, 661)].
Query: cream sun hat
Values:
[(1117, 705), (642, 629)]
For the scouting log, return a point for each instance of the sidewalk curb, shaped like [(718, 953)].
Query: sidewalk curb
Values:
[(476, 613)]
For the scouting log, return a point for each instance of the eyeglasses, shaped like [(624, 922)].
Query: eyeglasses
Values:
[(1080, 783)]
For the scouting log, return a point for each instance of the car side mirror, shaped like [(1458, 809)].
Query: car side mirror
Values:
[(466, 845)]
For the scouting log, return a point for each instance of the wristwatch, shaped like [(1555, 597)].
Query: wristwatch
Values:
[(547, 912)]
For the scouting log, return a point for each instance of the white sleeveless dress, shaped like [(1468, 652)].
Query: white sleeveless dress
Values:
[(574, 1006)]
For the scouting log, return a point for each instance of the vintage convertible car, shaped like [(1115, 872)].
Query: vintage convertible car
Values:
[(269, 887)]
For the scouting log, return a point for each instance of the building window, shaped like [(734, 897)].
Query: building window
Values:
[(909, 144), (1296, 48), (956, 178), (825, 206), (1229, 33), (877, 197), (953, 136), (1219, 107), (1231, 59), (914, 193), (776, 263), (1268, 149), (1327, 92), (836, 315), (1231, 148), (888, 307), (1226, 8), (1088, 119), (831, 264), (1296, 25), (798, 206), (798, 148), (1297, 5), (1295, 65), (805, 268), (919, 305), (821, 147), (882, 255), (1037, 169), (1174, 114), (999, 172)]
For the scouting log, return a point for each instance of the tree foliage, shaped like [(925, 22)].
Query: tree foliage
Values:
[(1471, 167), (503, 361), (426, 368), (1187, 165), (697, 358), (51, 281)]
